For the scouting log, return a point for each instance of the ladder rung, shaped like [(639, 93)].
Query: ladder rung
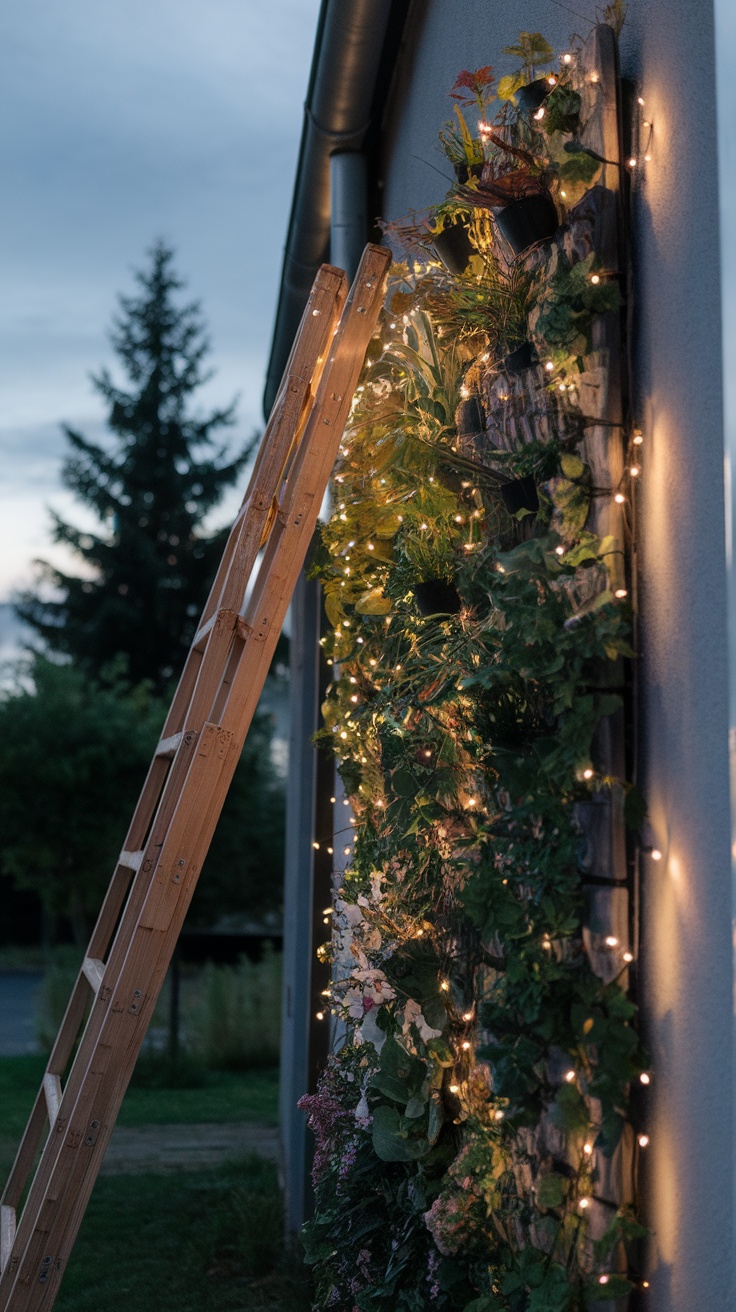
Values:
[(168, 746), (52, 1089), (203, 634), (7, 1233), (93, 971), (131, 860)]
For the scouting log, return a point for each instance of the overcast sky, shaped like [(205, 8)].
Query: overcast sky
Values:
[(121, 121)]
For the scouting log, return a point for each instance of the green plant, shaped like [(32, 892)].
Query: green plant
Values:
[(234, 1023)]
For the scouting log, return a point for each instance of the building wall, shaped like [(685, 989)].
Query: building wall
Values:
[(686, 959)]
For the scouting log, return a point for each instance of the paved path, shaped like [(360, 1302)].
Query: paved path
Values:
[(186, 1147), (18, 989)]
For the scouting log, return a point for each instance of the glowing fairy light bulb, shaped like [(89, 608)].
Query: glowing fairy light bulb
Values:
[(549, 366), (603, 1280), (567, 59), (632, 163), (540, 114), (634, 471), (583, 1203), (638, 437), (467, 1015), (559, 551), (552, 81), (587, 1149), (569, 1076), (465, 1046), (611, 941), (595, 279), (588, 773), (642, 1140), (619, 498), (628, 958), (644, 1078), (499, 1115), (621, 592), (655, 854), (320, 1015), (454, 1088), (445, 985)]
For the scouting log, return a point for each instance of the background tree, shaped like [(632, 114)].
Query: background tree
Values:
[(149, 567)]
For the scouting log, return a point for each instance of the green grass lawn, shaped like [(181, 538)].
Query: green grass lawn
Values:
[(185, 1242), (204, 1241), (220, 1096)]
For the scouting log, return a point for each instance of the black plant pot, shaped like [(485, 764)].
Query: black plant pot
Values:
[(527, 221), (437, 597), (524, 357), (530, 97), (520, 494), (454, 247)]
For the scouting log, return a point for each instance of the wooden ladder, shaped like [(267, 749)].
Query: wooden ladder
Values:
[(168, 839)]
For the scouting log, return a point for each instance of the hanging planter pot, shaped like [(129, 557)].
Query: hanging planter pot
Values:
[(454, 247), (520, 494), (530, 97), (528, 221), (437, 597), (524, 357)]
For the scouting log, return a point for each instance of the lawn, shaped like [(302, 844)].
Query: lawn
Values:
[(183, 1241)]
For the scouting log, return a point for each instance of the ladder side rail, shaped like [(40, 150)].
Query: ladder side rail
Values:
[(305, 364), (126, 1009), (301, 529)]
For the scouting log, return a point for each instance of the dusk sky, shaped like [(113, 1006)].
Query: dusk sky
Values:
[(120, 123)]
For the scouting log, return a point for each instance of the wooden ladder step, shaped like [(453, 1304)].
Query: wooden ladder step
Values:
[(131, 860), (7, 1234), (93, 970), (168, 746), (52, 1090)]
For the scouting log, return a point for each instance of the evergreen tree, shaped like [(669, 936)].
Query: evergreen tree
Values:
[(149, 567)]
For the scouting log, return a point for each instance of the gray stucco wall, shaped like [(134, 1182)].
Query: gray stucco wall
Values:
[(686, 957)]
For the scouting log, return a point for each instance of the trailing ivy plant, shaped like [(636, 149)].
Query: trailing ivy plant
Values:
[(484, 1079)]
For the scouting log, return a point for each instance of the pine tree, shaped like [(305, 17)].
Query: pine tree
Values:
[(149, 567)]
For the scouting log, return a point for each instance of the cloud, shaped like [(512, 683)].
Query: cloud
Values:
[(119, 123)]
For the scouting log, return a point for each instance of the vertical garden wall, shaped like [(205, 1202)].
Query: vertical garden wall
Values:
[(476, 1132)]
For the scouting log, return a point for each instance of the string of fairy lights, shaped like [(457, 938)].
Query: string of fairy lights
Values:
[(464, 1020)]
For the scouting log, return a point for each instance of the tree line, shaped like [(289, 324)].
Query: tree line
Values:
[(84, 709)]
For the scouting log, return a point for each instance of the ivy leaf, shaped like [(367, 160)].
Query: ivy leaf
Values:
[(391, 1141), (569, 1110), (551, 1190), (579, 168)]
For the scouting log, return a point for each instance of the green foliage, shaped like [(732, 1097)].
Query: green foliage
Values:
[(236, 1020), (148, 568), (73, 757), (478, 1032)]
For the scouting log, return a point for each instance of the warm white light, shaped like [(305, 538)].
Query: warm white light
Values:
[(603, 1280), (583, 1203), (320, 1015), (465, 1046), (640, 100), (454, 1088), (549, 366), (540, 113), (642, 1140), (621, 592), (634, 471), (445, 986), (587, 1149), (632, 163), (499, 1115), (370, 546), (567, 59), (593, 77), (638, 437), (423, 526), (552, 81), (611, 941), (644, 1078), (619, 498), (588, 774), (467, 1015), (595, 278), (655, 854), (559, 551), (569, 1076), (628, 957)]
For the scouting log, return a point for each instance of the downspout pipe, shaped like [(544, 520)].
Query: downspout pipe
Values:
[(338, 111)]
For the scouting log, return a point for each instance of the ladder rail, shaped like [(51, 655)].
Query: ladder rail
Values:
[(181, 827), (310, 344)]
